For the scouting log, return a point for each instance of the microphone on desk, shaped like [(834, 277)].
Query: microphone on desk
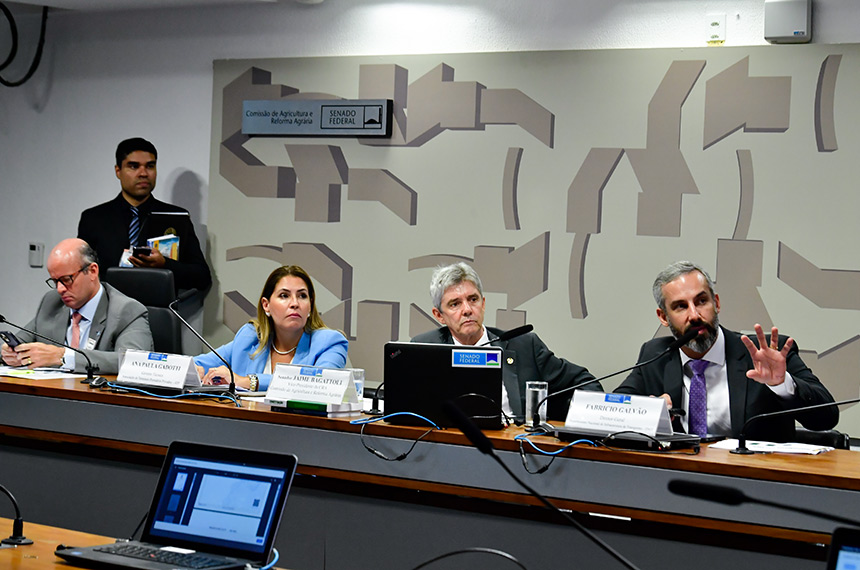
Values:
[(17, 537), (537, 425), (508, 335), (484, 445), (731, 496), (91, 368), (185, 295), (742, 448)]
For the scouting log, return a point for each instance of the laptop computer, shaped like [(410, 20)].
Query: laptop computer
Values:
[(214, 507), (844, 553), (419, 377)]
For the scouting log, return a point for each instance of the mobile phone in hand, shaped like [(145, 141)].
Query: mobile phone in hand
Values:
[(138, 251), (10, 339)]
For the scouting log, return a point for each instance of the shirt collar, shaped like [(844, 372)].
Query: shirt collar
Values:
[(716, 354), (485, 339), (88, 311)]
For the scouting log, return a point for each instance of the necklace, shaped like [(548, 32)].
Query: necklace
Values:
[(284, 353)]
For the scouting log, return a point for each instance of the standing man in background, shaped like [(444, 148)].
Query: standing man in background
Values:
[(134, 216)]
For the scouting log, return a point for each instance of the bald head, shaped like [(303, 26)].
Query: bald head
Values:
[(73, 267)]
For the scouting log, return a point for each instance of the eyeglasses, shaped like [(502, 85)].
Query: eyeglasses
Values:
[(66, 280)]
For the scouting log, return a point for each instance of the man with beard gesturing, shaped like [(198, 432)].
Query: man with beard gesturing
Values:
[(722, 378)]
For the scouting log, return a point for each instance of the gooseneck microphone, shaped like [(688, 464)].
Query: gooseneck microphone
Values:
[(676, 344), (172, 306), (742, 448), (17, 538), (732, 496), (508, 335), (91, 368), (484, 445)]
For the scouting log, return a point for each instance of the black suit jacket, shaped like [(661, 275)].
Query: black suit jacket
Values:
[(527, 358), (105, 228), (747, 397)]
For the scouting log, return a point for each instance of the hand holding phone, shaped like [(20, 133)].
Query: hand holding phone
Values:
[(139, 251), (10, 339)]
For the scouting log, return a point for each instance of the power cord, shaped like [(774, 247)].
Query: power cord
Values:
[(37, 58), (217, 396), (476, 549), (364, 421)]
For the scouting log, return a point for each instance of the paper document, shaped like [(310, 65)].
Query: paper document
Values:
[(38, 373), (770, 447)]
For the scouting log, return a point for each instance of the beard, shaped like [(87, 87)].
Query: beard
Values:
[(702, 343)]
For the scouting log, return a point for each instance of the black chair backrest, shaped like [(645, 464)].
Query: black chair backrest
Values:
[(830, 438), (166, 332), (152, 287)]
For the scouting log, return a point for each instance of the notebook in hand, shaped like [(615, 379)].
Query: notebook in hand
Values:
[(419, 377), (214, 507)]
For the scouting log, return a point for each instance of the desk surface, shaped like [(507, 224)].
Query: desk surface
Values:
[(40, 554), (584, 479)]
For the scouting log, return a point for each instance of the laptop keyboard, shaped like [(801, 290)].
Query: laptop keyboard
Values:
[(158, 555)]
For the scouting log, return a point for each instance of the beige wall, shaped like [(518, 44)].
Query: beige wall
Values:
[(569, 179)]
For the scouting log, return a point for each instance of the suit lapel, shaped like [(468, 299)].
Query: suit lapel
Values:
[(736, 371), (99, 320), (674, 378)]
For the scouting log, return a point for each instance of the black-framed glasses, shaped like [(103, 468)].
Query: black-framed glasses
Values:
[(66, 280)]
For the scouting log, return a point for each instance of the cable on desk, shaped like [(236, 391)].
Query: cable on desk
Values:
[(476, 549), (660, 448), (364, 421), (224, 395), (271, 564), (524, 437)]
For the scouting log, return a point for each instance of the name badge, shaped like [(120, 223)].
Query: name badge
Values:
[(612, 413), (157, 370), (311, 384)]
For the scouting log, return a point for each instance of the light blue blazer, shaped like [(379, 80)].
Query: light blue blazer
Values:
[(325, 348)]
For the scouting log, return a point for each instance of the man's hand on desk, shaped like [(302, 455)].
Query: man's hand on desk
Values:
[(33, 355)]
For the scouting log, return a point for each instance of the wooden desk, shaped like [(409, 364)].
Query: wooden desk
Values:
[(40, 554), (49, 426)]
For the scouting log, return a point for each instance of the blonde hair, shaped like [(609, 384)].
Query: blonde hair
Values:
[(263, 324)]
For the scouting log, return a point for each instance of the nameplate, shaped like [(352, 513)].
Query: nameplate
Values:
[(311, 384), (157, 370), (612, 413), (318, 117)]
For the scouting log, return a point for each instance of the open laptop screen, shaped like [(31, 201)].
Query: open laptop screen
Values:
[(219, 504)]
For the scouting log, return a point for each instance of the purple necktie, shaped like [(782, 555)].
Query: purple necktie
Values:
[(698, 421)]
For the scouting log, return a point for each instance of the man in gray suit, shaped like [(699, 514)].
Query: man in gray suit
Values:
[(89, 315), (458, 304)]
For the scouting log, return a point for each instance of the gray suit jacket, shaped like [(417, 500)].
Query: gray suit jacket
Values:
[(527, 358), (119, 322)]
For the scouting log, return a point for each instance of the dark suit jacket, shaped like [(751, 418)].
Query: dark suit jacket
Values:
[(527, 358), (119, 322), (105, 228), (746, 397)]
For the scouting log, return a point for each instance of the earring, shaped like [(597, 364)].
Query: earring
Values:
[(268, 314)]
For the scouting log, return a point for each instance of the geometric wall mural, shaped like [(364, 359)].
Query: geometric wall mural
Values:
[(568, 180)]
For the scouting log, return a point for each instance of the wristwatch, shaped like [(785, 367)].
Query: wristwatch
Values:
[(255, 382)]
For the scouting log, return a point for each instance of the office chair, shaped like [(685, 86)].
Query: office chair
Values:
[(154, 289), (830, 438)]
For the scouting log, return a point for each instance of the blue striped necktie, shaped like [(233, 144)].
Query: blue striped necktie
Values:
[(134, 227)]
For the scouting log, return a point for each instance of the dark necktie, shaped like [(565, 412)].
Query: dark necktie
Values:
[(134, 227), (698, 422)]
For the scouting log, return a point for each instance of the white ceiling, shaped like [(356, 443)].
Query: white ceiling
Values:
[(115, 5)]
